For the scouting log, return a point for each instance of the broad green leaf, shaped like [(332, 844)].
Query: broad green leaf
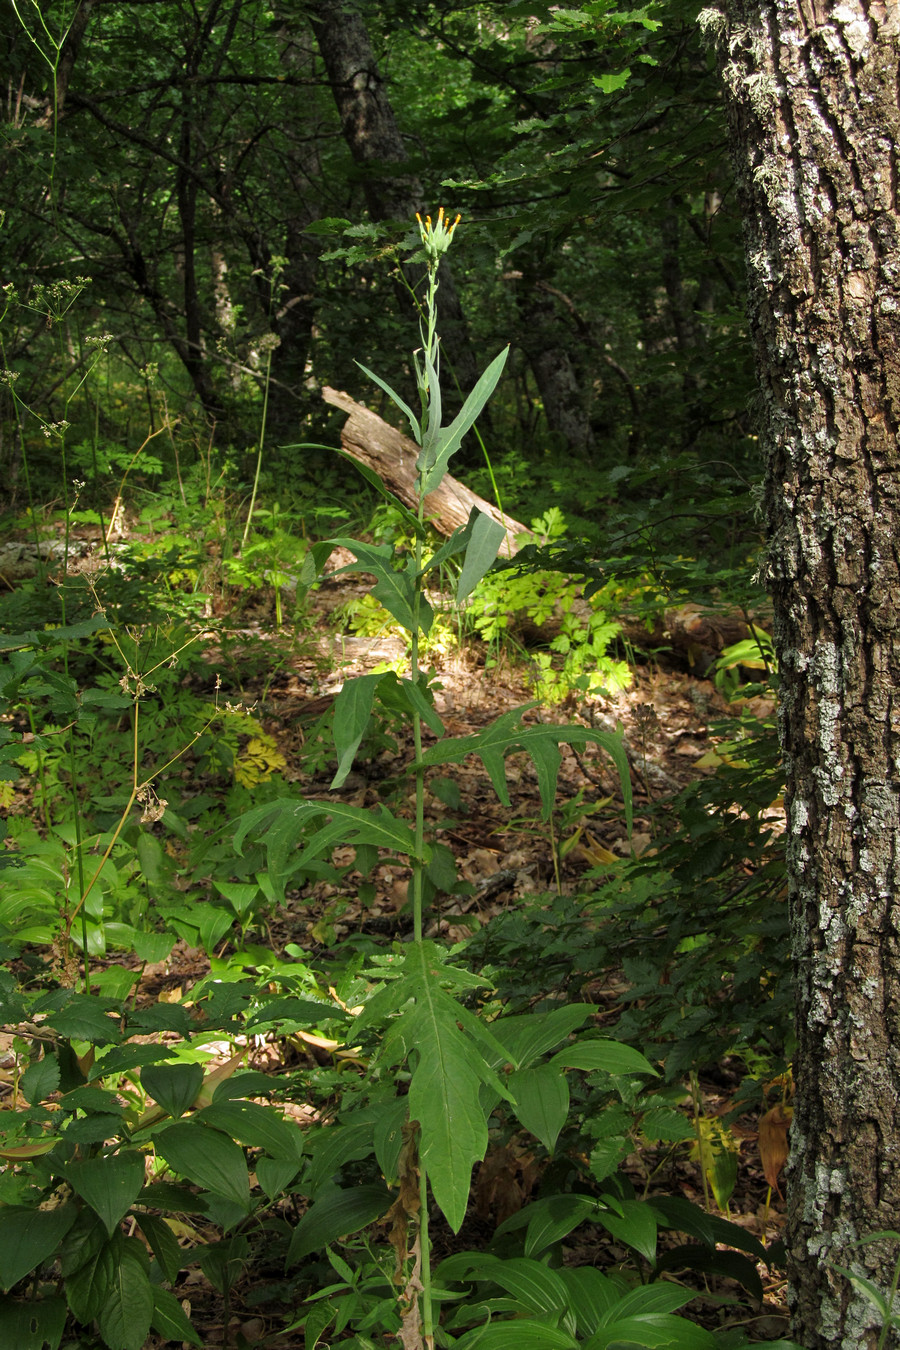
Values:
[(591, 1295), (109, 1185), (275, 1174), (175, 1087), (87, 1287), (163, 1244), (542, 1101), (484, 545), (40, 1080), (685, 1217), (394, 588), (520, 1334), (666, 1125), (160, 1017), (127, 1314), (609, 84), (85, 1018), (332, 1147), (714, 1261), (169, 1319), (659, 1297), (28, 1237), (654, 1330), (335, 1215), (304, 1012), (444, 1094), (387, 1139), (83, 1241), (352, 710), (32, 1324), (353, 824), (607, 1056), (255, 1125), (152, 946), (283, 825), (208, 1158), (395, 398), (528, 1036), (444, 1098), (632, 1222), (450, 439), (242, 896), (533, 1285), (406, 696), (553, 1219)]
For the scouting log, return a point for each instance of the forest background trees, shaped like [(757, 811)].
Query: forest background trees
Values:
[(208, 212), (234, 181)]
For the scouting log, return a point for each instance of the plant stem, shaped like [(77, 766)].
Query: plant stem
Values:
[(425, 1251)]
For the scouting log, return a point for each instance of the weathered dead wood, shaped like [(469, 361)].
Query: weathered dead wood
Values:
[(372, 441)]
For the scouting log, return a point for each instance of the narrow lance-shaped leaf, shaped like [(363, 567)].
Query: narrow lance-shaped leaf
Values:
[(451, 439), (354, 824), (431, 432), (352, 710), (395, 398), (487, 536), (407, 696), (457, 543), (505, 734)]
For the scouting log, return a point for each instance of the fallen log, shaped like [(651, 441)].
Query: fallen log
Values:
[(366, 437)]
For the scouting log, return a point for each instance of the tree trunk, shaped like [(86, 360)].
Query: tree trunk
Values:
[(811, 90)]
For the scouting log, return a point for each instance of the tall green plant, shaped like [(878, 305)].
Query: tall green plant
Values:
[(452, 1054)]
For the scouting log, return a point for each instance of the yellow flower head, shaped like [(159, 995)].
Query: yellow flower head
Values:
[(436, 238)]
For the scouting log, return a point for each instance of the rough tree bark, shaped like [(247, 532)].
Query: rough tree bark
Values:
[(812, 95)]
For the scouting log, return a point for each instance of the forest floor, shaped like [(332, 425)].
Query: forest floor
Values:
[(505, 853)]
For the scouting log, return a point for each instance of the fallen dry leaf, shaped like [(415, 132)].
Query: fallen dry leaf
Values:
[(773, 1142)]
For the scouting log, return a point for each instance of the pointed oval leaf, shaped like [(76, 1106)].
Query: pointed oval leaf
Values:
[(484, 545), (634, 1224), (208, 1158), (334, 1216), (555, 1218), (530, 1282), (28, 1237), (541, 1095), (109, 1185), (128, 1311), (527, 1036), (259, 1126), (173, 1086), (352, 710), (163, 1244), (654, 1330), (608, 1056), (170, 1320), (37, 1324), (518, 1335)]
